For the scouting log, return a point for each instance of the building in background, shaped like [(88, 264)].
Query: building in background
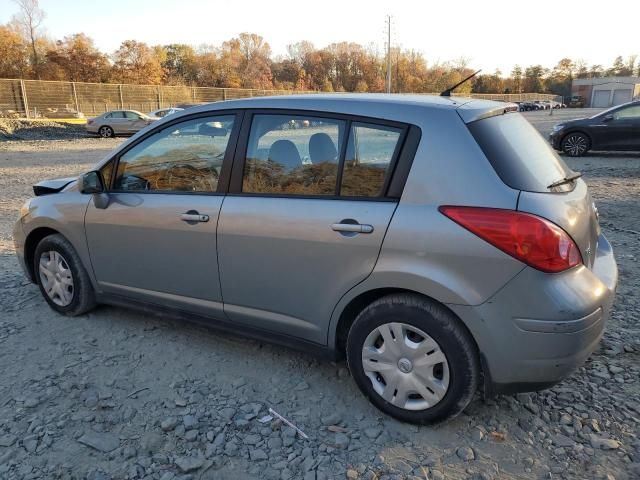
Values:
[(606, 91)]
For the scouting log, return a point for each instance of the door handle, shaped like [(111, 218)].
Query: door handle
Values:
[(193, 216), (352, 228)]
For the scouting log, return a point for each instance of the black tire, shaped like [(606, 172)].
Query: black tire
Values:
[(106, 131), (441, 325), (82, 297), (575, 144)]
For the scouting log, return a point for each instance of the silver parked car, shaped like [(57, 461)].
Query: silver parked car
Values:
[(118, 122), (438, 243)]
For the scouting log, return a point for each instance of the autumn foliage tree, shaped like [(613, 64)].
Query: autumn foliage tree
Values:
[(79, 60), (14, 60), (246, 61), (29, 19), (136, 62)]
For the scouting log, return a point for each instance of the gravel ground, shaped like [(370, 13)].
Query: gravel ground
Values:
[(120, 394), (14, 129)]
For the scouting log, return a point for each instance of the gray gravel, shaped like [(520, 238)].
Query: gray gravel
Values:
[(117, 394), (14, 129)]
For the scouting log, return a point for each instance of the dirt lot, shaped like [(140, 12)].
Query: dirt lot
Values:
[(120, 394)]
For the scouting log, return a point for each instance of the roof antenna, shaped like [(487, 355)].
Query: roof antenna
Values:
[(447, 92)]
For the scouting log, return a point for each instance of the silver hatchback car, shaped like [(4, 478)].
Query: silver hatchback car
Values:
[(438, 243)]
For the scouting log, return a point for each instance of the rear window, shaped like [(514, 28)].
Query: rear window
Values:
[(518, 153)]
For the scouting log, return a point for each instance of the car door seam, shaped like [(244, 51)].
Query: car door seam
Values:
[(86, 241), (384, 236)]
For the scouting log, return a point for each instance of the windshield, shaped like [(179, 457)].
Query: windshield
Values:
[(518, 153)]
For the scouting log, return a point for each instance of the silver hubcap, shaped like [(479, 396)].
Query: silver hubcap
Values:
[(105, 132), (575, 145), (406, 366), (56, 278)]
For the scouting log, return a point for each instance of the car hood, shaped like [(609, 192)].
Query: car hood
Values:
[(576, 121), (54, 185)]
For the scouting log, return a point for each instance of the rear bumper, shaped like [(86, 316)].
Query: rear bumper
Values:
[(540, 327)]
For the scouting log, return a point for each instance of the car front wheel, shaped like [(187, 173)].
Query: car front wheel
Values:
[(62, 279), (106, 132), (413, 359), (575, 144)]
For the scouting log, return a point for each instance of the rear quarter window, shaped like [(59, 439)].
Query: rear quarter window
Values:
[(521, 157)]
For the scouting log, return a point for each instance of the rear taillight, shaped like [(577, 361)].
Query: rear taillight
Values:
[(531, 239)]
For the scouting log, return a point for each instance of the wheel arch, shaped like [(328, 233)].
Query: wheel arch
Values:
[(348, 314), (113, 132), (31, 242)]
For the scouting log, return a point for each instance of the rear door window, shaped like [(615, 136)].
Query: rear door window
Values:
[(370, 153), (310, 155), (521, 157), (293, 155)]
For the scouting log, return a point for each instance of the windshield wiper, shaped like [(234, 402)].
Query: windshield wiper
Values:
[(567, 179)]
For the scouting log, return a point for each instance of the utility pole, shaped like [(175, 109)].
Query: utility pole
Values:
[(388, 53)]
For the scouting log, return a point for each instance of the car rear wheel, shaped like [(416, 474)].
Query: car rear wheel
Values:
[(575, 144), (62, 279), (105, 131), (413, 359)]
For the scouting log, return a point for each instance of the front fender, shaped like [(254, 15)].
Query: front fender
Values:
[(63, 212)]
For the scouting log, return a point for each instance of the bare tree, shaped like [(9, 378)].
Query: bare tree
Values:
[(30, 18)]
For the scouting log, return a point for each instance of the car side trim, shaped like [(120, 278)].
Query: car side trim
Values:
[(567, 326), (405, 160), (222, 324)]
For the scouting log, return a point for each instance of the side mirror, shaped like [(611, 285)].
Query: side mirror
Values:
[(91, 182), (607, 118)]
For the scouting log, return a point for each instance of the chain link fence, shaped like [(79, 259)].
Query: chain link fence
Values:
[(53, 99)]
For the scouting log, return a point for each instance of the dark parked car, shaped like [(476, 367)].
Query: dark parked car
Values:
[(576, 101), (617, 128), (527, 106)]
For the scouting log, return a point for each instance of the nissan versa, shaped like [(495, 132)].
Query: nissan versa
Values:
[(438, 243)]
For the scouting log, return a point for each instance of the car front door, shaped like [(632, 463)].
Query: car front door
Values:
[(626, 128), (302, 224), (135, 122), (155, 240)]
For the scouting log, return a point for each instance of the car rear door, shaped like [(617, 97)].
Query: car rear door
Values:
[(306, 214), (117, 121), (155, 239)]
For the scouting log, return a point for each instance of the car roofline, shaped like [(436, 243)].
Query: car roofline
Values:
[(470, 109)]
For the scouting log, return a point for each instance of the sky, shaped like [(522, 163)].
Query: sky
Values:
[(490, 34)]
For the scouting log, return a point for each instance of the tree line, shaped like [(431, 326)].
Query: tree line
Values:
[(246, 61)]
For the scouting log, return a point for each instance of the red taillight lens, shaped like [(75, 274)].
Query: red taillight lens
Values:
[(529, 238)]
